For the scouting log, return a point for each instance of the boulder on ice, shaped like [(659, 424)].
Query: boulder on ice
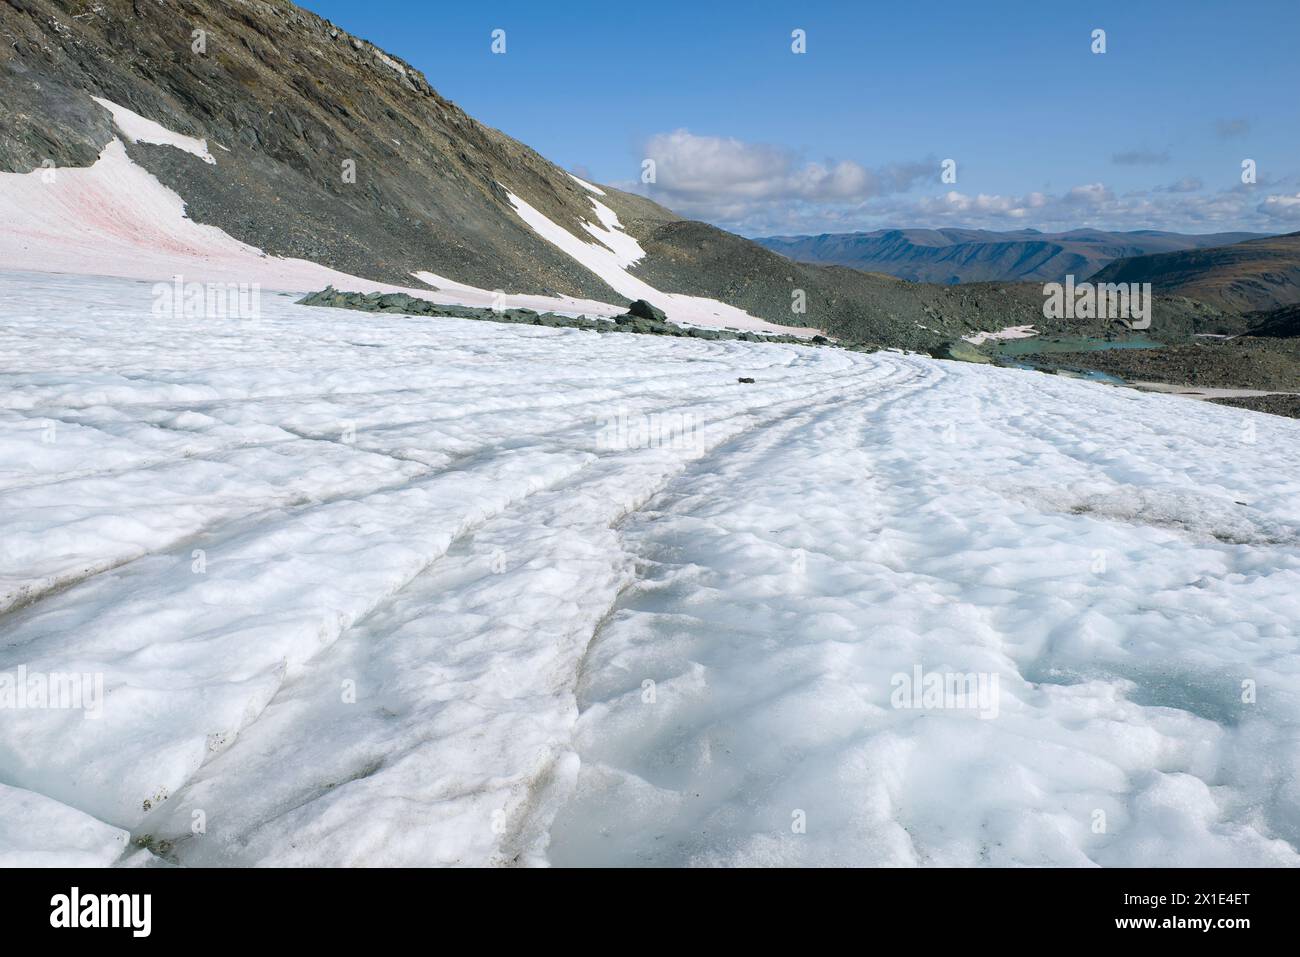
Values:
[(644, 310)]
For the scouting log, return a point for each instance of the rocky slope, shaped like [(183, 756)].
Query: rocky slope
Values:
[(855, 305), (1253, 275), (292, 97), (978, 255)]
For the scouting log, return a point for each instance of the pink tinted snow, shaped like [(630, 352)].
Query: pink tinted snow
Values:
[(114, 218)]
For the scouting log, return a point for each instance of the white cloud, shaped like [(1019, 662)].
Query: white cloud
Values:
[(1188, 184), (757, 189), (1282, 207), (1095, 195), (954, 203), (1088, 205), (725, 179)]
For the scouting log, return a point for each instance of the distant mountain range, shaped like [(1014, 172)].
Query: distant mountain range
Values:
[(950, 256), (1254, 275)]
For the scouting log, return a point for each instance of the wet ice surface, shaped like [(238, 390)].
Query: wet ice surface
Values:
[(366, 589)]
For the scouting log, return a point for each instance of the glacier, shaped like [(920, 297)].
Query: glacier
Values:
[(366, 589)]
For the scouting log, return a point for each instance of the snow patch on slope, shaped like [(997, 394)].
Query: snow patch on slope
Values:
[(587, 186), (138, 129), (1010, 332), (615, 250), (115, 218), (610, 233)]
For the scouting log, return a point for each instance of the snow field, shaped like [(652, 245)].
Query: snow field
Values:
[(367, 589)]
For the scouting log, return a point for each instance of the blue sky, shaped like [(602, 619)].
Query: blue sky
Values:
[(851, 134)]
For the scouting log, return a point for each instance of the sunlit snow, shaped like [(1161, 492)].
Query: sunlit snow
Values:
[(369, 589), (139, 129), (611, 252)]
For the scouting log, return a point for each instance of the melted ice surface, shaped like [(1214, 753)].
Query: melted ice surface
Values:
[(367, 589)]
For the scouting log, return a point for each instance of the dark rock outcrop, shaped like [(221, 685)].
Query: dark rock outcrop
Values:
[(1280, 323), (643, 310), (403, 304)]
